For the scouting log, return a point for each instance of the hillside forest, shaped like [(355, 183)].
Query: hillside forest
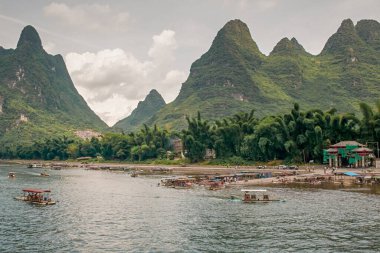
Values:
[(297, 136)]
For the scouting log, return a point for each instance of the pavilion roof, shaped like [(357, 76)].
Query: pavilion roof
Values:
[(343, 144), (363, 150), (35, 190)]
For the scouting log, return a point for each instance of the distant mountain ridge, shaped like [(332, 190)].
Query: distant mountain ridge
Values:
[(288, 47), (37, 96), (233, 75), (145, 110)]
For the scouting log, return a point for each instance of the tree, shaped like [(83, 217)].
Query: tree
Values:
[(197, 138)]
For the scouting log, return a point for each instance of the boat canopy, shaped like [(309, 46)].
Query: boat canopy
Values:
[(251, 190), (35, 190)]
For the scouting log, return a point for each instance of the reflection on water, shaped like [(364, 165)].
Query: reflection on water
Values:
[(113, 212)]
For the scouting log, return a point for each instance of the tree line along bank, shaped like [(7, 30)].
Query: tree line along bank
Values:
[(298, 137)]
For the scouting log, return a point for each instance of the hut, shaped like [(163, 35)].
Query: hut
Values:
[(177, 146), (348, 154), (210, 154)]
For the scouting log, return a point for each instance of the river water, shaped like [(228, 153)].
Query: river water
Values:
[(113, 212)]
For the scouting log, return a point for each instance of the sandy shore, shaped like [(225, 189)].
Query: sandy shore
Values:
[(188, 169), (287, 175), (280, 177)]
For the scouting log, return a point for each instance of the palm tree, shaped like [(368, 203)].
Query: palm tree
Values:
[(197, 137)]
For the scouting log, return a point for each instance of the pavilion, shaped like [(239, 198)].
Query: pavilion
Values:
[(348, 154)]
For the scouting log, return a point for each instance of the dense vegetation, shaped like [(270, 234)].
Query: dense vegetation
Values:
[(145, 144), (233, 75), (297, 136)]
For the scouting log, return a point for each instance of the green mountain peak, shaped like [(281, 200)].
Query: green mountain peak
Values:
[(234, 35), (344, 42), (143, 112), (296, 45), (346, 26), (234, 76), (37, 96), (153, 94), (369, 31), (29, 38), (232, 51), (288, 47)]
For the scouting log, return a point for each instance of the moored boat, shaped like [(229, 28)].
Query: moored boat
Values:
[(257, 196), (34, 165), (178, 183), (44, 174), (216, 185), (36, 197)]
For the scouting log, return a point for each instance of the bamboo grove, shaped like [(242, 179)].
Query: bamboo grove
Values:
[(298, 136)]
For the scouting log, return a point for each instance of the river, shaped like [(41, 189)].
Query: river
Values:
[(101, 211)]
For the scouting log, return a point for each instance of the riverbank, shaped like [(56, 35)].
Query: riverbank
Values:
[(188, 169), (307, 174)]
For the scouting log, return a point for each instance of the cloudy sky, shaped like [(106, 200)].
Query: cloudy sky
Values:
[(117, 51)]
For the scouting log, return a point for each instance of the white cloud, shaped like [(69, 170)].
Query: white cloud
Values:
[(113, 81), (88, 16), (114, 108), (163, 47), (173, 80), (107, 72)]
